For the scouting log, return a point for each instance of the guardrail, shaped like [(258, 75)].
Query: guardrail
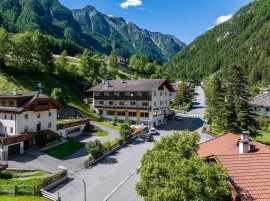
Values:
[(49, 195)]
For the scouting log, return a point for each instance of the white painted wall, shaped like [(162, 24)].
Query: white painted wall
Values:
[(8, 123), (65, 132)]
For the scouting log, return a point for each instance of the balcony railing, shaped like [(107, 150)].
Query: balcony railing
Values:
[(142, 98), (123, 107)]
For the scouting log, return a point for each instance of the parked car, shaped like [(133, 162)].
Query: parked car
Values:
[(153, 131), (146, 137), (178, 118)]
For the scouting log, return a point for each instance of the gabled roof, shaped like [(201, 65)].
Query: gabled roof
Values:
[(261, 100), (29, 99), (227, 144), (132, 85), (249, 172)]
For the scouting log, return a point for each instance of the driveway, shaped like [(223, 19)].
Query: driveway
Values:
[(36, 159)]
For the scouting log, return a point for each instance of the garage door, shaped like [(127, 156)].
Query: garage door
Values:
[(14, 149)]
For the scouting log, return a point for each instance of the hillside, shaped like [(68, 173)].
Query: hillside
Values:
[(244, 39), (91, 29), (133, 40)]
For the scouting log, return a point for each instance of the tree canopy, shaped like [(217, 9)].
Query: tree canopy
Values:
[(171, 171)]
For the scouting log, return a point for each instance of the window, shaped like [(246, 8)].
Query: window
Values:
[(4, 103), (101, 93), (11, 129), (144, 104), (26, 129), (166, 102), (132, 114), (132, 103), (50, 114), (122, 93), (101, 112), (161, 102), (11, 103), (101, 102), (155, 93), (161, 93), (49, 124), (133, 94), (166, 94), (111, 113), (5, 117), (38, 115), (145, 94), (121, 114), (155, 103), (110, 102), (144, 114), (11, 117), (26, 116), (121, 103), (5, 129), (111, 93)]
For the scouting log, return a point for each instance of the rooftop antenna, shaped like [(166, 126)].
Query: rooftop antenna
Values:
[(40, 87)]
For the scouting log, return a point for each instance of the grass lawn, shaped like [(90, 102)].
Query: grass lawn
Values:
[(22, 198), (101, 134), (65, 121), (64, 150), (24, 178), (107, 124)]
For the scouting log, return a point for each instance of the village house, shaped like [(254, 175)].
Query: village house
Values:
[(247, 164), (140, 101), (262, 102), (22, 116), (25, 115)]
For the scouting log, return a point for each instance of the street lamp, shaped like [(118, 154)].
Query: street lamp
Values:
[(66, 169)]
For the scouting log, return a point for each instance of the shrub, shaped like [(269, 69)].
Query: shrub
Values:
[(120, 141), (95, 148), (43, 139), (125, 130), (106, 145), (87, 127)]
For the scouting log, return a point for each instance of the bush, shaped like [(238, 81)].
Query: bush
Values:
[(188, 106), (95, 148), (87, 127), (125, 130), (106, 145), (5, 175), (120, 141), (43, 139)]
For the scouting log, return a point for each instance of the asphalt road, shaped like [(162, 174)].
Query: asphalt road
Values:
[(115, 177)]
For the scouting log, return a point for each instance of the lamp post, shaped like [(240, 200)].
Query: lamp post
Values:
[(66, 169)]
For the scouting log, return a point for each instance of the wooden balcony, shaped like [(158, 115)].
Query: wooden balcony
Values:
[(137, 98), (123, 107)]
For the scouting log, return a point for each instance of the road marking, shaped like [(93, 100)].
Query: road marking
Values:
[(121, 184)]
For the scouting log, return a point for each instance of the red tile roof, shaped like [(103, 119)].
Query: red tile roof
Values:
[(227, 144), (249, 172)]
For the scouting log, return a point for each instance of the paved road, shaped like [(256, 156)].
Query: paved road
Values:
[(114, 178)]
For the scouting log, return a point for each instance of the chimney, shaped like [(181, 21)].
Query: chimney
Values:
[(244, 142), (14, 92), (108, 83)]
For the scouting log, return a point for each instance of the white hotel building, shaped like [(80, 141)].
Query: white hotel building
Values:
[(140, 101)]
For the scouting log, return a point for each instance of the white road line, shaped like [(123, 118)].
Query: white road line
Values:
[(121, 184)]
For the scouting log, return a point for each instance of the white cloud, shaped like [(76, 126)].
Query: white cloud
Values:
[(128, 3), (222, 19)]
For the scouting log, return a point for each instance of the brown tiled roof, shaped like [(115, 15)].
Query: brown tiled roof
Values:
[(261, 100), (30, 97), (227, 144), (132, 85), (249, 174)]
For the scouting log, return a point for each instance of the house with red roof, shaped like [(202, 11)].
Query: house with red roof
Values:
[(247, 163)]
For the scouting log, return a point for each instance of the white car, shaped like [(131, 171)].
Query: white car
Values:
[(152, 131)]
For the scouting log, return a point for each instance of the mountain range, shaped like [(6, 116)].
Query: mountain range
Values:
[(242, 40), (87, 27)]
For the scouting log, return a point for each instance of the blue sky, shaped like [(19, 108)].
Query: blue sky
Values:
[(185, 19)]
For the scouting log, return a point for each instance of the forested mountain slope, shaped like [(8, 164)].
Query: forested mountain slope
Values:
[(244, 40), (126, 37), (91, 29)]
